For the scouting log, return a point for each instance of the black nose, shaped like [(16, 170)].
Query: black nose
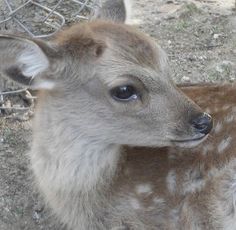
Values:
[(203, 123)]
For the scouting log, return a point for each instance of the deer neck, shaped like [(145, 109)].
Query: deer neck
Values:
[(94, 164), (77, 170), (83, 161)]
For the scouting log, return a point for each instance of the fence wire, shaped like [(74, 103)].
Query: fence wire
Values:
[(40, 18)]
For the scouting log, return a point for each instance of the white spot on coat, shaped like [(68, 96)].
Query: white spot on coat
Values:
[(171, 181), (224, 144), (229, 118), (158, 200), (218, 127), (144, 189)]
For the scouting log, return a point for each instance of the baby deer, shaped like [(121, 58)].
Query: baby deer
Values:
[(104, 85)]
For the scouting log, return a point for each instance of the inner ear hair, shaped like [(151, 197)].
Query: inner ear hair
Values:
[(24, 59)]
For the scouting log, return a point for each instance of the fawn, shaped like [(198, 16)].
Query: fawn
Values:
[(104, 86)]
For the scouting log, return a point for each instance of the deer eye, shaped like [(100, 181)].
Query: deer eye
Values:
[(124, 93)]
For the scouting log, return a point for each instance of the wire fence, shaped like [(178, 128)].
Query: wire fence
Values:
[(40, 18), (37, 19)]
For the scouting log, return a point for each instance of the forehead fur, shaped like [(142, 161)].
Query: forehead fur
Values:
[(125, 40)]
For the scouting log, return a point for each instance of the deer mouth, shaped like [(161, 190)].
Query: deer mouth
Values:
[(189, 143)]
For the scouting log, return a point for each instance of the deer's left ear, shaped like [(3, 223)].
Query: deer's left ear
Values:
[(24, 60), (114, 10)]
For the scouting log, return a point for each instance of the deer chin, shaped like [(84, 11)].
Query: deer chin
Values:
[(189, 143)]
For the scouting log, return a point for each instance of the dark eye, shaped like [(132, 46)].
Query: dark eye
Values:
[(124, 93)]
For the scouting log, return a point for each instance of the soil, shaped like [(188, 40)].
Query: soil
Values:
[(200, 39)]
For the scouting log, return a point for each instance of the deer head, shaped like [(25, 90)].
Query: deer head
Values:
[(108, 81)]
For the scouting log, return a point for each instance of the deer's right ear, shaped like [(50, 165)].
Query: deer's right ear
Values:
[(23, 60), (114, 10)]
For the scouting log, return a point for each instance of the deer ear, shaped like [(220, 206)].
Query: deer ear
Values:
[(114, 10), (24, 60)]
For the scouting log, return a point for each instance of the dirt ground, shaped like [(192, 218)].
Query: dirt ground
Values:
[(200, 39)]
